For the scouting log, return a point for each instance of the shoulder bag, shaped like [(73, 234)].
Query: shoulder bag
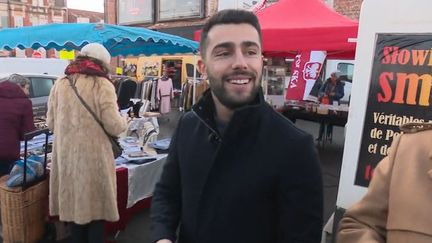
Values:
[(116, 148)]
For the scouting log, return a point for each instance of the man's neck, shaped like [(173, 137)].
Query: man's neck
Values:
[(223, 113)]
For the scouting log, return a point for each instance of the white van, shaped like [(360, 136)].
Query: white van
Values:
[(276, 79), (47, 66)]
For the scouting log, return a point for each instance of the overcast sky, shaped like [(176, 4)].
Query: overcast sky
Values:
[(89, 5)]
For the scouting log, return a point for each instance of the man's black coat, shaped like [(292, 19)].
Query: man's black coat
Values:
[(258, 182)]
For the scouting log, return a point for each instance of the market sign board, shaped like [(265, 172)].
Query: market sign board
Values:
[(391, 86), (67, 55), (399, 93)]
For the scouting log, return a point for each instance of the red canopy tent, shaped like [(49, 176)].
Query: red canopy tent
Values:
[(289, 26)]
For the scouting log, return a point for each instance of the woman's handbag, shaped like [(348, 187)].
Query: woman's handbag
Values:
[(115, 145), (24, 208)]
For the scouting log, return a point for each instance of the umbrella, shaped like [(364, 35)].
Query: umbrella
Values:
[(119, 40)]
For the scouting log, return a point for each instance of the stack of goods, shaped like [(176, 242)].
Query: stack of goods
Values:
[(161, 146)]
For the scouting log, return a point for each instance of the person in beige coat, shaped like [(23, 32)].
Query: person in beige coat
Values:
[(83, 178), (398, 205)]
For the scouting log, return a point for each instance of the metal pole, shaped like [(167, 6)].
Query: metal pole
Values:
[(194, 79)]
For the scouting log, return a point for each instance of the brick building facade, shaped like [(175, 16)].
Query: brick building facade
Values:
[(159, 17), (349, 8), (186, 26), (83, 16), (18, 13)]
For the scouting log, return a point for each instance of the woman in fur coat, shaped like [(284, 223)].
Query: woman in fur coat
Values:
[(83, 179)]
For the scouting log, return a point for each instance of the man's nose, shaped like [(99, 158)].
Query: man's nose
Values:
[(239, 61)]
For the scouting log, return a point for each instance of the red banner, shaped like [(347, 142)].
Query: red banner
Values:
[(305, 71)]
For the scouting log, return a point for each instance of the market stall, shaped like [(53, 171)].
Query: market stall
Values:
[(298, 36), (139, 168), (136, 177), (118, 40), (292, 27)]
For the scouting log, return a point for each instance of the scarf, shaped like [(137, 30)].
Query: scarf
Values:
[(86, 66)]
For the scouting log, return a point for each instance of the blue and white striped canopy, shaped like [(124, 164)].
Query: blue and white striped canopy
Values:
[(119, 40)]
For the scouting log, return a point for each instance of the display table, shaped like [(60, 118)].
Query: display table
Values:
[(135, 185), (142, 179), (334, 117)]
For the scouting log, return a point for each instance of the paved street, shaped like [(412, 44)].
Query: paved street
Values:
[(138, 230)]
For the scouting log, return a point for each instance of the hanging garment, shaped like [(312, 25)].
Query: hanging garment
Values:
[(164, 95), (154, 104)]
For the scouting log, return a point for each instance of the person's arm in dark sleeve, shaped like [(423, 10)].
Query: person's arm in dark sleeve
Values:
[(339, 91), (166, 202), (300, 196), (322, 89), (27, 124)]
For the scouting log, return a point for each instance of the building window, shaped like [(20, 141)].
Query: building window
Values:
[(39, 3), (57, 19), (43, 20), (83, 20), (178, 9), (135, 11), (34, 20), (59, 3), (346, 70), (4, 23), (18, 20)]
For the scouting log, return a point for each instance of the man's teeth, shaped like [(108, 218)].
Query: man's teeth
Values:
[(239, 81)]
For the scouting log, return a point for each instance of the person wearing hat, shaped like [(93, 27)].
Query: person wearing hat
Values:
[(83, 178), (16, 119)]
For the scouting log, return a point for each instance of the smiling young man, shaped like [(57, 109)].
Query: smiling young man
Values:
[(237, 171)]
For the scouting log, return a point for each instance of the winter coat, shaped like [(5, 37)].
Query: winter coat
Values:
[(83, 179), (337, 89), (259, 181), (398, 205), (164, 94), (16, 119)]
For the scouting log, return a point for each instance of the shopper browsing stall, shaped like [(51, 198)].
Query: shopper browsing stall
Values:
[(16, 119), (330, 93), (83, 178)]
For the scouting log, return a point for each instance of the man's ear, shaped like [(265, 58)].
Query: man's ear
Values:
[(202, 67)]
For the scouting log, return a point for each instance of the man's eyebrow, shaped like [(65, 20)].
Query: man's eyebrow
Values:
[(249, 44), (223, 45)]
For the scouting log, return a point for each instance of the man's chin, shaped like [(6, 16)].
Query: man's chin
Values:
[(236, 103)]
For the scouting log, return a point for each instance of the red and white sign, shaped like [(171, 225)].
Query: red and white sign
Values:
[(305, 71), (37, 54)]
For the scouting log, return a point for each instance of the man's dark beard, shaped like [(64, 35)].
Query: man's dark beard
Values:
[(218, 89)]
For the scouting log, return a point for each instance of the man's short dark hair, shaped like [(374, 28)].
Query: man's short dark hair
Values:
[(229, 16)]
